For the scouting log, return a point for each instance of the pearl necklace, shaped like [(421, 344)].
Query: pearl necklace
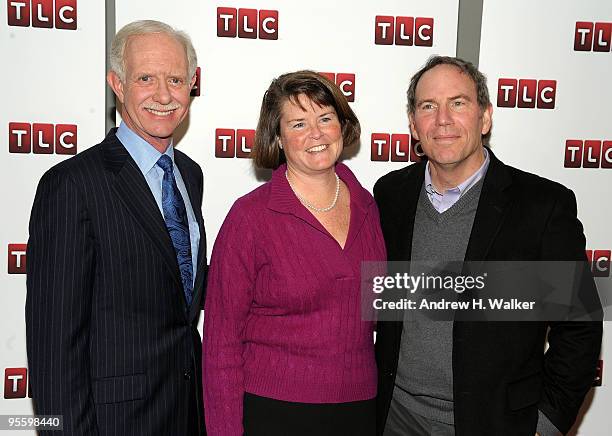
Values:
[(310, 206)]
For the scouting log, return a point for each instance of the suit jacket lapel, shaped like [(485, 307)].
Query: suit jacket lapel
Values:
[(492, 207), (131, 187), (407, 202), (195, 197)]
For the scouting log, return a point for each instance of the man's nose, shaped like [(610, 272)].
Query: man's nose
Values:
[(443, 116), (162, 93)]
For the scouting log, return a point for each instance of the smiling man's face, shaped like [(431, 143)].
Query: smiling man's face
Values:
[(155, 93), (448, 121)]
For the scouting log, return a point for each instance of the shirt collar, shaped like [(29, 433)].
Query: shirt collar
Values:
[(464, 186), (143, 153)]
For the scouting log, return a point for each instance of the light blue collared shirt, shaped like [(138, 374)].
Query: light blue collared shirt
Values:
[(146, 157), (445, 200)]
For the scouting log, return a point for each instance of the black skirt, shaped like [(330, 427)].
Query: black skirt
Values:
[(267, 417)]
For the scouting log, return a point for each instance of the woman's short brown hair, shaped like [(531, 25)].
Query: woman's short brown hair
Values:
[(320, 90)]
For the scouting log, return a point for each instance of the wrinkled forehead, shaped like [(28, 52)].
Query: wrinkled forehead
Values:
[(152, 47)]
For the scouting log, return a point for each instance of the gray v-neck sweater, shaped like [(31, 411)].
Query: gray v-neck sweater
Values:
[(424, 382)]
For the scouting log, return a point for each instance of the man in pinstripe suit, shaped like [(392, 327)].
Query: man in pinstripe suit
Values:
[(113, 299)]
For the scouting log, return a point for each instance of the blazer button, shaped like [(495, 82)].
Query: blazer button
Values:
[(187, 374)]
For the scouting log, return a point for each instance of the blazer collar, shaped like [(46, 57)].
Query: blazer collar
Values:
[(409, 189), (495, 199), (133, 191), (492, 206)]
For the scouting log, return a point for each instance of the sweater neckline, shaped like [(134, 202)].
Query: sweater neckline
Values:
[(441, 217), (283, 200)]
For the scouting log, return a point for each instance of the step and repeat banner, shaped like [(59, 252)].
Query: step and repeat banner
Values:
[(56, 84), (53, 107), (549, 65), (370, 49)]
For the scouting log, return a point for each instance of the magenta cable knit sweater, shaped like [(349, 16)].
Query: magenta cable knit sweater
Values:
[(282, 314)]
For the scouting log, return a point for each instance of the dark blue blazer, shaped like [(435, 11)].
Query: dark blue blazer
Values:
[(111, 344)]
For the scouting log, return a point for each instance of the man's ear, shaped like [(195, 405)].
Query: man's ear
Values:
[(193, 80), (413, 131), (116, 85), (487, 117)]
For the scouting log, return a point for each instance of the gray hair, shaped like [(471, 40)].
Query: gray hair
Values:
[(145, 27), (479, 79)]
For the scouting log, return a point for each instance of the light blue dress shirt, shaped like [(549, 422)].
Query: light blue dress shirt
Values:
[(146, 157), (445, 200)]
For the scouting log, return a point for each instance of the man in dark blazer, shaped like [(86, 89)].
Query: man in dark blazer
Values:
[(117, 259), (465, 377)]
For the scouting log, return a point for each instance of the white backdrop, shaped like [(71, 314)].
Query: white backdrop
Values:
[(326, 36), (56, 76), (49, 75)]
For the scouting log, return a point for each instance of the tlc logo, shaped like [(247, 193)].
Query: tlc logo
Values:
[(346, 83), (246, 24), (195, 91), (592, 36), (15, 383), (17, 258), (528, 92), (234, 143), (588, 154), (403, 30), (396, 146), (42, 13), (42, 138), (600, 262)]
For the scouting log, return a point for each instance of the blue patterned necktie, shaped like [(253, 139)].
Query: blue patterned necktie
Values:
[(175, 215)]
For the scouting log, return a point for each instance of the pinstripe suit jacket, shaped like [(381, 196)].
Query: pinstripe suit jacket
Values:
[(111, 344)]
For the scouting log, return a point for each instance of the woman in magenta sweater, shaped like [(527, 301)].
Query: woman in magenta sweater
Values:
[(285, 349)]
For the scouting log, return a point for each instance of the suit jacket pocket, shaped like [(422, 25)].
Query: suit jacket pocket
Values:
[(119, 389), (525, 391)]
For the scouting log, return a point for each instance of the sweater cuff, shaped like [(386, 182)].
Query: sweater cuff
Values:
[(545, 427)]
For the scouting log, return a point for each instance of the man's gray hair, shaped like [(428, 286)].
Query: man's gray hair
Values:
[(145, 27), (479, 79)]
